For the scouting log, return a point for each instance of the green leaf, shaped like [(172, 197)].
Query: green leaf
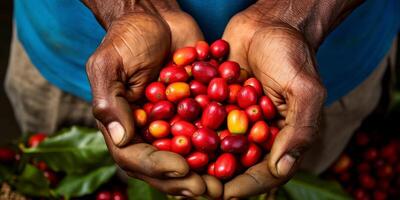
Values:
[(32, 182), (79, 185), (73, 150), (305, 186), (139, 190)]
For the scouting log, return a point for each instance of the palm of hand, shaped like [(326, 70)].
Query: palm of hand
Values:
[(280, 57), (129, 57)]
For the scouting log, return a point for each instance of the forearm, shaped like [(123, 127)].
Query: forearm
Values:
[(107, 11), (315, 18)]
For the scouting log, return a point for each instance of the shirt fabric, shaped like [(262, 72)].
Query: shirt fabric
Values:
[(60, 35)]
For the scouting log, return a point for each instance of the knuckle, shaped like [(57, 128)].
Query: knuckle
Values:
[(145, 159), (100, 108), (152, 168), (96, 62)]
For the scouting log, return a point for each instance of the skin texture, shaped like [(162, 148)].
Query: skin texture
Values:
[(140, 36), (276, 40)]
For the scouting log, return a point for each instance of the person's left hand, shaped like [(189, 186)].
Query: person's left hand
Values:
[(280, 57), (276, 41)]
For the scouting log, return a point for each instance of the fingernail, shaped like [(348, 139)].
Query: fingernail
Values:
[(187, 193), (116, 131), (173, 174), (285, 164)]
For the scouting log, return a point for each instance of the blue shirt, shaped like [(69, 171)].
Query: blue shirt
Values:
[(60, 35)]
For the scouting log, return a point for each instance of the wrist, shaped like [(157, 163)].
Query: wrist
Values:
[(314, 18), (108, 11)]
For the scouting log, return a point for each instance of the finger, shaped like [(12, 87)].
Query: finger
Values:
[(288, 149), (115, 70), (214, 187), (299, 129), (304, 99), (109, 105), (256, 180), (238, 38), (285, 66), (191, 185), (146, 159), (179, 23)]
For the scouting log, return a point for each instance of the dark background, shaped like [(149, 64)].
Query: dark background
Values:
[(8, 126)]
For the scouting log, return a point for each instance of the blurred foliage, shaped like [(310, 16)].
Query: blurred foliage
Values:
[(306, 186), (74, 151), (78, 153), (80, 185), (81, 155), (139, 190)]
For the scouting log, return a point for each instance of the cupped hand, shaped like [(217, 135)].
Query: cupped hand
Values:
[(279, 55), (129, 57)]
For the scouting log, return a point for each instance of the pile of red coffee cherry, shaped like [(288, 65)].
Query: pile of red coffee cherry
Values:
[(209, 110)]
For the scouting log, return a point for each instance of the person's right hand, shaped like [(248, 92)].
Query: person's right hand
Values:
[(139, 38)]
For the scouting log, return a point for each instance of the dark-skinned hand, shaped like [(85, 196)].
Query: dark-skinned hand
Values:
[(140, 36), (276, 41)]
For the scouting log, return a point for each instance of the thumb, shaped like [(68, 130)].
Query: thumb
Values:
[(110, 107), (304, 98), (285, 66), (129, 56)]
